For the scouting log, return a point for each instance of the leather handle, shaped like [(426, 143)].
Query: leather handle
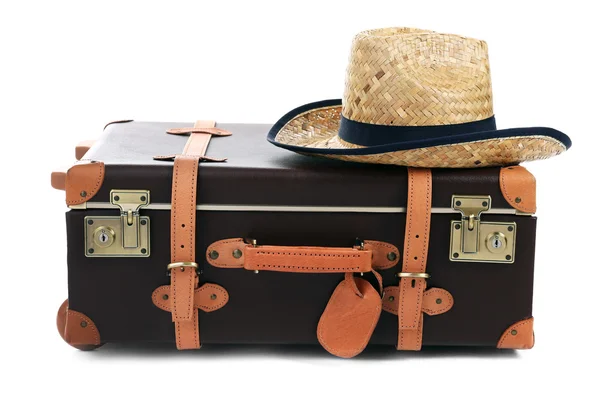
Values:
[(235, 253)]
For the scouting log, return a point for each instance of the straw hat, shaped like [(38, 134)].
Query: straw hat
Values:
[(416, 98)]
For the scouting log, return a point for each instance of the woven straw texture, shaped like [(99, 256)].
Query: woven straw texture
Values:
[(318, 129), (412, 77)]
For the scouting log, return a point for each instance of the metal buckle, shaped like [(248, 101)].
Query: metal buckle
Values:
[(423, 275), (182, 265)]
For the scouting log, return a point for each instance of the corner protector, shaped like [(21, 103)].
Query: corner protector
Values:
[(58, 180), (518, 336), (83, 180), (77, 329), (518, 188)]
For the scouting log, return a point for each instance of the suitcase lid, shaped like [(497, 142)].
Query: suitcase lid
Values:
[(261, 177)]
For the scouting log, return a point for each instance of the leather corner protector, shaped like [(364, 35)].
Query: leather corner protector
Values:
[(120, 121), (208, 298), (77, 329), (436, 301), (518, 188), (385, 255), (222, 254), (58, 180), (518, 336), (83, 181), (82, 148)]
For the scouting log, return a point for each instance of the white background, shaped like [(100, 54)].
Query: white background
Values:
[(68, 67)]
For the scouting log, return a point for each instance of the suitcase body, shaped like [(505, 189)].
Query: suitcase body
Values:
[(481, 245)]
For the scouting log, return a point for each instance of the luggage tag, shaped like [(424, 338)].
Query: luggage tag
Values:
[(350, 317)]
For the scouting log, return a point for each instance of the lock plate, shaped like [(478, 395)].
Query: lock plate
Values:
[(126, 235), (104, 237), (473, 240)]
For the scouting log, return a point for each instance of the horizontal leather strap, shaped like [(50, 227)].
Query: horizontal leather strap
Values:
[(209, 297), (236, 253), (307, 259)]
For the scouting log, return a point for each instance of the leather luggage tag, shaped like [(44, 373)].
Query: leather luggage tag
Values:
[(350, 317)]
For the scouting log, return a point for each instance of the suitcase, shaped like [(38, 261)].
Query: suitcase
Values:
[(289, 249)]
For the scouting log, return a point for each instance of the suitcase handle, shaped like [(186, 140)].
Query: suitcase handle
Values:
[(238, 253)]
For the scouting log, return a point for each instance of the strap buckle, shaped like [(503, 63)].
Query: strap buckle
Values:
[(182, 265), (423, 275)]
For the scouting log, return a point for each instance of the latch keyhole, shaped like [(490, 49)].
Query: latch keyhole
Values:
[(496, 243), (103, 237)]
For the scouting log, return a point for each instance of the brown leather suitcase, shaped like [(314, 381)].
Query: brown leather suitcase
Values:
[(276, 235)]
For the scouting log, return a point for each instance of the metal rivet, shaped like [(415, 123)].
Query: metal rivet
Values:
[(144, 251), (392, 256), (213, 296), (508, 258), (484, 204), (116, 198), (513, 332), (90, 222), (510, 228), (83, 324), (457, 226), (213, 255), (458, 203), (391, 298), (518, 200), (91, 251), (143, 222), (143, 198), (83, 193), (237, 253), (438, 301), (165, 297), (455, 255)]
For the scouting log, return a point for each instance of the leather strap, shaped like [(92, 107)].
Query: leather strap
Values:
[(416, 245), (236, 253), (184, 280), (307, 259)]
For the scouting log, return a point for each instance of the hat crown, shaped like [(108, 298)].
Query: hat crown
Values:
[(413, 77)]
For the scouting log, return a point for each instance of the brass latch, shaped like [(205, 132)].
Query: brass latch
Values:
[(476, 241), (127, 235), (130, 201)]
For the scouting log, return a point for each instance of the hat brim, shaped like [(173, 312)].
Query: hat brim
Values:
[(312, 129)]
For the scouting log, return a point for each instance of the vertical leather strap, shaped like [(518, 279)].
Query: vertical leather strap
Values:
[(184, 280), (416, 244)]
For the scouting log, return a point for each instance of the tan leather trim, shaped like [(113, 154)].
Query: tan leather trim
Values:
[(518, 188), (349, 320), (77, 329), (381, 252), (82, 148), (183, 238), (224, 250), (307, 259), (416, 244), (436, 301), (518, 336), (208, 298), (58, 180), (83, 181)]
